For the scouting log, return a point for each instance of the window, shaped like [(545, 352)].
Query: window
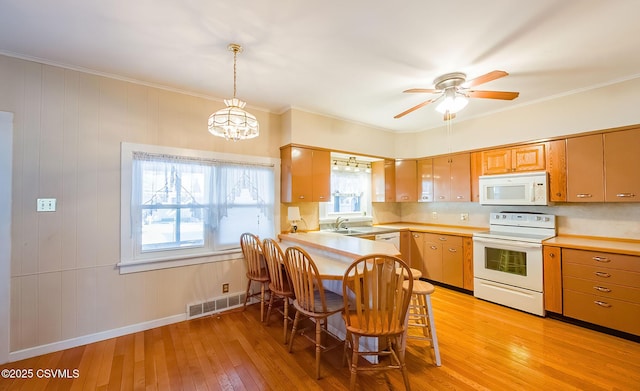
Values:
[(183, 206), (350, 190)]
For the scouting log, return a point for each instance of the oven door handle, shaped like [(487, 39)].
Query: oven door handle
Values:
[(508, 243)]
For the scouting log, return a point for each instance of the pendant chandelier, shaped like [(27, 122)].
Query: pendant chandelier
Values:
[(232, 122)]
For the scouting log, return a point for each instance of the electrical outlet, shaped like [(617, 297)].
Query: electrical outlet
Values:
[(464, 216), (434, 215), (225, 288), (46, 205)]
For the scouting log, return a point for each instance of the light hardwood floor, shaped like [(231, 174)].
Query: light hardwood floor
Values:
[(483, 346)]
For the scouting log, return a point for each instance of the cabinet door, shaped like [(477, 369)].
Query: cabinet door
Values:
[(321, 176), (460, 189), (552, 270), (622, 170), (405, 247), (301, 174), (406, 181), (556, 157), (585, 169), (528, 158), (496, 161), (476, 171), (432, 257), (452, 261), (417, 246), (441, 179), (425, 180), (383, 174)]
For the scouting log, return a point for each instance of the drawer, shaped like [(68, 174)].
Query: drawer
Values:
[(594, 258), (601, 274), (446, 240), (602, 288), (615, 314)]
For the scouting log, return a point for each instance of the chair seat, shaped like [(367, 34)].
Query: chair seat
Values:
[(415, 273), (334, 303), (286, 290), (365, 330), (420, 287), (263, 276)]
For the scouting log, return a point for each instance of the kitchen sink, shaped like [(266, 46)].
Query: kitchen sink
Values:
[(359, 230)]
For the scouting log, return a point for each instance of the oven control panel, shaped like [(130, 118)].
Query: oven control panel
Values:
[(519, 219)]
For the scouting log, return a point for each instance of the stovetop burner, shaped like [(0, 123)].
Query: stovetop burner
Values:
[(523, 226)]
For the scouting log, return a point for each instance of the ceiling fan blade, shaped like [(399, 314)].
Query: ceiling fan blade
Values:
[(504, 95), (493, 75), (414, 108), (423, 90)]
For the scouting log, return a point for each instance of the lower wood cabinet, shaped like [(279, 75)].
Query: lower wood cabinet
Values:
[(443, 258), (602, 288)]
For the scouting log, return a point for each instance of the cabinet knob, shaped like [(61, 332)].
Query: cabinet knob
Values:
[(460, 197), (434, 247), (301, 197), (441, 197)]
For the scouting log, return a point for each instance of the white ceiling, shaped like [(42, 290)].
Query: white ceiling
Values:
[(346, 59)]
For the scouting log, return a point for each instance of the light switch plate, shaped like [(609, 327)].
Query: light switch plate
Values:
[(46, 205)]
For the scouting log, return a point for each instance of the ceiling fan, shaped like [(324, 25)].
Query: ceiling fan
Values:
[(454, 89)]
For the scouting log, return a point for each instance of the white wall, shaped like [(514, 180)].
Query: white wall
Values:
[(6, 147)]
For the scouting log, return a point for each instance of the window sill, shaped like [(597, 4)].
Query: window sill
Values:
[(169, 262)]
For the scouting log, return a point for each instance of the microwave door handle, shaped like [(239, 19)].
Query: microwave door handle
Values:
[(533, 192)]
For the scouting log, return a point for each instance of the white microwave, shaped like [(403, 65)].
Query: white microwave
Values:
[(528, 188)]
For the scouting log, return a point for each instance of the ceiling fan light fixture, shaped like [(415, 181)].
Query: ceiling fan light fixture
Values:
[(233, 122), (452, 103)]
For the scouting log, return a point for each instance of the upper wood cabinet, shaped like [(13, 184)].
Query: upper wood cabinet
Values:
[(556, 161), (585, 169), (604, 167), (622, 166), (406, 180), (452, 178), (305, 174), (513, 159), (383, 181), (425, 180), (476, 171)]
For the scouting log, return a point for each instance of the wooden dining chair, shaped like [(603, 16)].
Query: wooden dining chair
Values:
[(279, 284), (256, 268), (311, 301), (375, 305)]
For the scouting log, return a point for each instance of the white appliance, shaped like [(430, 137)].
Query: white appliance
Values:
[(529, 188), (507, 260), (390, 237)]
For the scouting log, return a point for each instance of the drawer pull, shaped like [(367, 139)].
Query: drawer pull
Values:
[(601, 259), (602, 303), (602, 289), (583, 195), (602, 274), (625, 195), (434, 247), (416, 235), (442, 239), (453, 250)]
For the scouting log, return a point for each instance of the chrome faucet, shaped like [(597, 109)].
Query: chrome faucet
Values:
[(340, 221)]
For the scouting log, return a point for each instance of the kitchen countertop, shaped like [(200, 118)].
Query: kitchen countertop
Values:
[(434, 228), (344, 245), (628, 247)]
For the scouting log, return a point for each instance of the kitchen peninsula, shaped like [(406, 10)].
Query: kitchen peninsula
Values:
[(332, 252)]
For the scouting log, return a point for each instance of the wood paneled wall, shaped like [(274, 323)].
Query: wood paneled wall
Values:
[(68, 126)]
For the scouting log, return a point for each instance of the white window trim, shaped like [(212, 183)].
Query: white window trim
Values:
[(127, 262)]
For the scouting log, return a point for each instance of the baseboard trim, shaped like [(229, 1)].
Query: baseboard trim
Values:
[(91, 338)]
